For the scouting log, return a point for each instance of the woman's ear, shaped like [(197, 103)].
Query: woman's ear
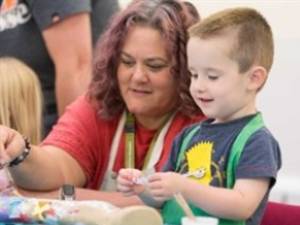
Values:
[(257, 78)]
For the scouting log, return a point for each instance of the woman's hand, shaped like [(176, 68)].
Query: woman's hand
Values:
[(163, 186), (11, 145), (126, 182)]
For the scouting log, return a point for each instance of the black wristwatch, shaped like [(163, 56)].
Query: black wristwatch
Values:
[(67, 192)]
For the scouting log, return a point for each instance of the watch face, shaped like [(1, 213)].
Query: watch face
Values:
[(68, 192)]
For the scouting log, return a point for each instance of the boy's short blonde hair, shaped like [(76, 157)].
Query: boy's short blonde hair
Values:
[(21, 98), (254, 44)]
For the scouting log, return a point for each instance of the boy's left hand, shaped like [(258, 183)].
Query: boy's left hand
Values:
[(163, 186)]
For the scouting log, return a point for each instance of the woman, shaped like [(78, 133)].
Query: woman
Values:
[(137, 103)]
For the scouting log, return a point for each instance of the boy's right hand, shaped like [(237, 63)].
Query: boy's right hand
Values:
[(126, 182)]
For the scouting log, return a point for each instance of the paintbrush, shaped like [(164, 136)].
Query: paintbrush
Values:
[(184, 205)]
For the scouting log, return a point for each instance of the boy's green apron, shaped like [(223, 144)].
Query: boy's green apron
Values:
[(171, 211)]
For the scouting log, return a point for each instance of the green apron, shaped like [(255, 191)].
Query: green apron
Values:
[(172, 212)]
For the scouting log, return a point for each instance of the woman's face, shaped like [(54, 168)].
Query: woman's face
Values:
[(146, 84)]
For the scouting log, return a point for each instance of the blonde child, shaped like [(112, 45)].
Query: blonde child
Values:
[(20, 97), (21, 107), (226, 165)]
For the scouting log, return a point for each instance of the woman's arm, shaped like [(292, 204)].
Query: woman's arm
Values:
[(44, 168), (115, 198), (47, 168)]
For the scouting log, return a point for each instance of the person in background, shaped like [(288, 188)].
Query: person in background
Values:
[(55, 39), (137, 102), (21, 98), (225, 166)]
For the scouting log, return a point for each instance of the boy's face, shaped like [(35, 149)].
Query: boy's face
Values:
[(217, 86)]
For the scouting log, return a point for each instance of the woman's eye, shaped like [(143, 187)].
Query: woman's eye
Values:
[(127, 62), (156, 67)]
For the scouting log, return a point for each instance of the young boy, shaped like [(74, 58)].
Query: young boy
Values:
[(225, 166)]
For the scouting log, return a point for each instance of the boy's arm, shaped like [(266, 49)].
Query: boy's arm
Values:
[(237, 203)]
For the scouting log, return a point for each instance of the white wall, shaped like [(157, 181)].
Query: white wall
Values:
[(278, 100)]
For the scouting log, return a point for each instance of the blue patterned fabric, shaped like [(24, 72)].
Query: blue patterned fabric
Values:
[(21, 210)]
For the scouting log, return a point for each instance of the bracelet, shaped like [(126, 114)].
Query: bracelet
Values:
[(23, 155)]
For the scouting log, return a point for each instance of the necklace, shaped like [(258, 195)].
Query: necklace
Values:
[(129, 160), (152, 157)]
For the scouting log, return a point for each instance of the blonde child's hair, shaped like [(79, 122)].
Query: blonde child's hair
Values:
[(20, 98), (254, 39)]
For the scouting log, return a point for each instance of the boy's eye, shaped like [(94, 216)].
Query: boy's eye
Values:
[(212, 77), (194, 75), (212, 74)]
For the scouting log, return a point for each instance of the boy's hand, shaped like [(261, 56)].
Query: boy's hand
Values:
[(163, 186), (126, 182)]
